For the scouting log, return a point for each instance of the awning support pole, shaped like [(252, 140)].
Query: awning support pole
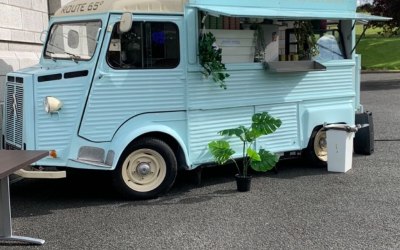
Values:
[(359, 39)]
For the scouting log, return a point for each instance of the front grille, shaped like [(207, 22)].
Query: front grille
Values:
[(13, 115), (11, 147)]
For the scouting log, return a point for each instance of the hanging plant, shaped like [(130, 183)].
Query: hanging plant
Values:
[(260, 43), (306, 39), (211, 59)]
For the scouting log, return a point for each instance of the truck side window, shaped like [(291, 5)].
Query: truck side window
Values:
[(148, 45)]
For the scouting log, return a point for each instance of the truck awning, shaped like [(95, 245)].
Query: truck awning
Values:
[(285, 14)]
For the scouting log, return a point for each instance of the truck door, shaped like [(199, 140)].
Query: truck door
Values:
[(140, 71)]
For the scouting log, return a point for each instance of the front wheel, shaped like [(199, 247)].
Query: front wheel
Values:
[(317, 150), (146, 169)]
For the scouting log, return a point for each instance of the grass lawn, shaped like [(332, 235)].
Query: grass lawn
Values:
[(378, 53)]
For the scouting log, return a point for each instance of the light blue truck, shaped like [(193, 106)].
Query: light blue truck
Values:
[(119, 86)]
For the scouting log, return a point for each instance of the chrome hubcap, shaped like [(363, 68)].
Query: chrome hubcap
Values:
[(143, 168), (322, 143)]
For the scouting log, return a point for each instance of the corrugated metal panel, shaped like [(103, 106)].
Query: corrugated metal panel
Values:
[(212, 109), (114, 100), (286, 137), (204, 127), (258, 87), (57, 130)]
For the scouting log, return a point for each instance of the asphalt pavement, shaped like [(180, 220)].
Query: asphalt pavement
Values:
[(300, 207), (384, 76)]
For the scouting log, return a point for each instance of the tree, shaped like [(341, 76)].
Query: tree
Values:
[(388, 8), (365, 8)]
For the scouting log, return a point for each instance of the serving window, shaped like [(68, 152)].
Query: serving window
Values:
[(247, 40)]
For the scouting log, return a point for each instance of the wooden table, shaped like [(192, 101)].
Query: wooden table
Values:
[(10, 161)]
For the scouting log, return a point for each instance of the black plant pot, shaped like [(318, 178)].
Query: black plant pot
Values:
[(243, 183)]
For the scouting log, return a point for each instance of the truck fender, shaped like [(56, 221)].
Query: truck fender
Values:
[(317, 116), (133, 129)]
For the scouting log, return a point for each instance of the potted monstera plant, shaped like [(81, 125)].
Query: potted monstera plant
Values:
[(261, 160)]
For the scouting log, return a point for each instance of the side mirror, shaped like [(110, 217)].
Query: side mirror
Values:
[(126, 22), (43, 36)]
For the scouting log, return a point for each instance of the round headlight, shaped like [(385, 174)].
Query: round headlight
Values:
[(52, 104)]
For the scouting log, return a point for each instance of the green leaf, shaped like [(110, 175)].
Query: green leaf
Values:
[(252, 135), (264, 124), (221, 151), (267, 162), (239, 132), (253, 155), (211, 59)]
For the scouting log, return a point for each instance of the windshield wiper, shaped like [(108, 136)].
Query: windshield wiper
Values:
[(51, 55), (73, 56)]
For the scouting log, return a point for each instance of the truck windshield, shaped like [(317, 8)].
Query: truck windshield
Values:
[(72, 41)]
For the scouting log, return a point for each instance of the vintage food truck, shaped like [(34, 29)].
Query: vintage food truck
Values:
[(120, 87)]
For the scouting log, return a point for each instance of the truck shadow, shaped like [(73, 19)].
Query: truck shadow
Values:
[(381, 85), (31, 197), (186, 191)]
